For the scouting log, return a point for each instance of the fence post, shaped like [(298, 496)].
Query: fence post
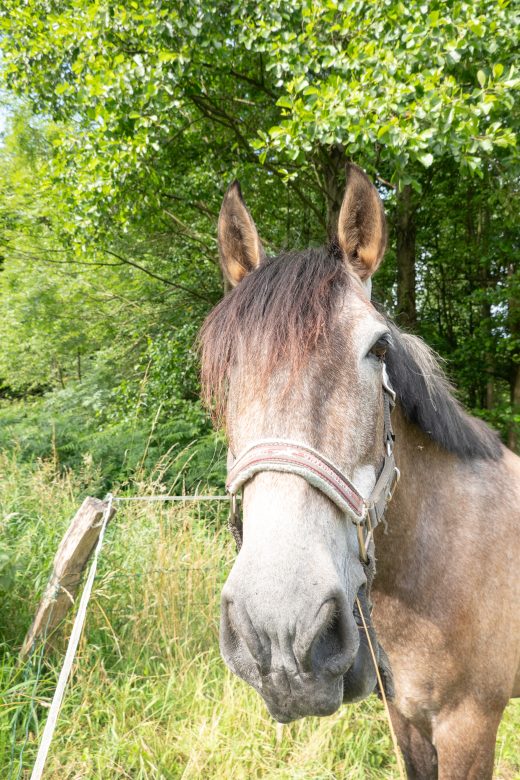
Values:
[(71, 559)]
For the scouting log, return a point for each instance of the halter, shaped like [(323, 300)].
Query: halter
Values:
[(295, 458)]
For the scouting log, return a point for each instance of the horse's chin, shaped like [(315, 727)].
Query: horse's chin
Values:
[(309, 697), (325, 696), (361, 679)]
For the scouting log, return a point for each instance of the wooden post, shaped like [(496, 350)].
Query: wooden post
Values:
[(71, 559)]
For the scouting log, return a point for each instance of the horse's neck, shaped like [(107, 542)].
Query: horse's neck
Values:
[(421, 513)]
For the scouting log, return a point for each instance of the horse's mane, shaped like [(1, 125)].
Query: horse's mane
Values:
[(426, 398), (284, 308)]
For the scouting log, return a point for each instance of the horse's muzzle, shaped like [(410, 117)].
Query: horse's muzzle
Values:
[(302, 678)]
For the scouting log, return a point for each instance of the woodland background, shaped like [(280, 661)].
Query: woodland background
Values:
[(123, 124)]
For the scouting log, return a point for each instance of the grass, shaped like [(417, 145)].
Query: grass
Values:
[(150, 698)]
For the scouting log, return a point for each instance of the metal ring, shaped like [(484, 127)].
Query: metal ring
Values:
[(361, 542)]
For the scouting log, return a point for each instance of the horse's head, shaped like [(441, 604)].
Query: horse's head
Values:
[(294, 352)]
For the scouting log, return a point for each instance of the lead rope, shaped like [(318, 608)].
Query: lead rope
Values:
[(397, 752), (235, 522)]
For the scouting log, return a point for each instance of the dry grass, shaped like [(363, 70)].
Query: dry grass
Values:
[(150, 698)]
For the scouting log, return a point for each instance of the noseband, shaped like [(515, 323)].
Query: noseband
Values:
[(295, 458)]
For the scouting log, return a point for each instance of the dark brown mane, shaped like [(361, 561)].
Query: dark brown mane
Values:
[(283, 309)]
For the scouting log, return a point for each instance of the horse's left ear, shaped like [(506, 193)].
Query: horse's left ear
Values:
[(362, 224), (238, 241)]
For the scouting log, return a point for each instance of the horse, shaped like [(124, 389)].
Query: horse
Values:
[(302, 369)]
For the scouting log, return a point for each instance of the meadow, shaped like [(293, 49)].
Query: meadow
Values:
[(150, 698)]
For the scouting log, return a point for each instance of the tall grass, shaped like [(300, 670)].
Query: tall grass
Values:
[(150, 697)]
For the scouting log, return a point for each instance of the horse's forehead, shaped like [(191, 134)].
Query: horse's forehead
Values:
[(359, 315)]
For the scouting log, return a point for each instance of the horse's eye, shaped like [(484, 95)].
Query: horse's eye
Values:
[(380, 347)]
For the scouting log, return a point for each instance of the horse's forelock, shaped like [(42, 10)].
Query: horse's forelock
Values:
[(285, 308), (279, 312)]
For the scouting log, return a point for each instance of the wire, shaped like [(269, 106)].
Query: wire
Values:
[(383, 696), (171, 498)]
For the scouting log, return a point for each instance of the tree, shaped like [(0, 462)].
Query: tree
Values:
[(156, 106)]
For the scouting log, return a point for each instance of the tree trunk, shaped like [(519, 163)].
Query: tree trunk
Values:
[(513, 433), (486, 282), (406, 231), (333, 170), (489, 360), (59, 372)]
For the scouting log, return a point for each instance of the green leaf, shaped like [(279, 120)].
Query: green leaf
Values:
[(284, 102), (426, 159)]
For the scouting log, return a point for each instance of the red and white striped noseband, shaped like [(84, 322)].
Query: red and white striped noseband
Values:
[(295, 458)]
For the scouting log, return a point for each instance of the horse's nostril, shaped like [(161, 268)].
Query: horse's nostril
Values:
[(332, 650), (239, 639)]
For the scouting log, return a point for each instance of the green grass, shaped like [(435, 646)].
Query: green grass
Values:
[(150, 697)]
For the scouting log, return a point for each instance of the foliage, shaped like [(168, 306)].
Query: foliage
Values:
[(400, 86), (467, 280), (127, 123), (151, 698)]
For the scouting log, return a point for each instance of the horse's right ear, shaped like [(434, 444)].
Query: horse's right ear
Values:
[(362, 224), (238, 242)]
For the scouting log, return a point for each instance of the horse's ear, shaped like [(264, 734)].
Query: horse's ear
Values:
[(362, 224), (238, 242)]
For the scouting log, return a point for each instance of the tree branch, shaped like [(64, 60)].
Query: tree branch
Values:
[(216, 114), (157, 276)]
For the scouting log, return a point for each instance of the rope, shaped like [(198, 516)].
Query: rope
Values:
[(397, 752), (77, 628)]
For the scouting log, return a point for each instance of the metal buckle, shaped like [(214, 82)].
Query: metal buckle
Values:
[(361, 543), (233, 507), (360, 527)]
